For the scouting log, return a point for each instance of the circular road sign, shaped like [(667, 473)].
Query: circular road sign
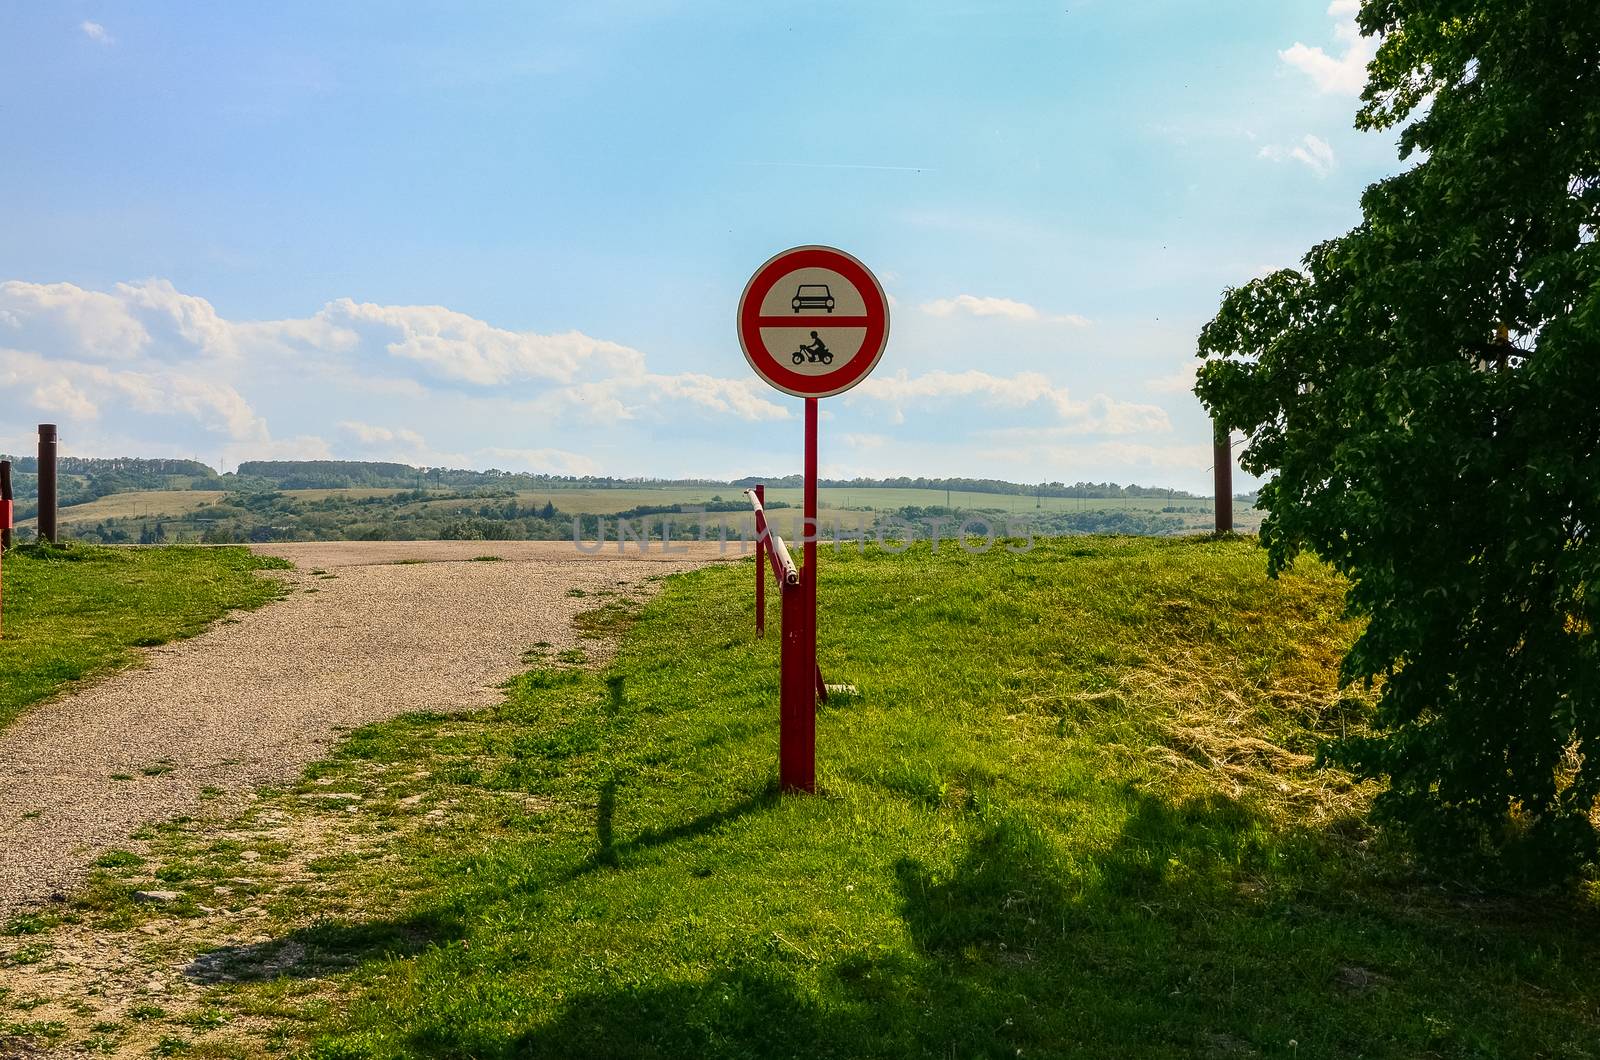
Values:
[(813, 321)]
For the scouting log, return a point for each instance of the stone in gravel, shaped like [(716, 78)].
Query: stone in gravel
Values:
[(158, 897), (250, 855)]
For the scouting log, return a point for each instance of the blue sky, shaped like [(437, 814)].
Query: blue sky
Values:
[(514, 235)]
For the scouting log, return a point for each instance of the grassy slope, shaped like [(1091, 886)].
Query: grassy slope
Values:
[(74, 612), (1069, 814)]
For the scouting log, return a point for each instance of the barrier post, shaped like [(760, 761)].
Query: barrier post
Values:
[(5, 531), (5, 505), (761, 560), (799, 679), (47, 482), (799, 732), (797, 714)]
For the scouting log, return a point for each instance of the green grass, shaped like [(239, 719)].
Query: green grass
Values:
[(78, 611), (1071, 811)]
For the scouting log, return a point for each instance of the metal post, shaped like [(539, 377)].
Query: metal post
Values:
[(1222, 477), (796, 706), (5, 526), (5, 505), (47, 482), (761, 561), (798, 751)]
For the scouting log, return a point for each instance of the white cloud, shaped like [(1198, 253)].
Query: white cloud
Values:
[(1313, 152), (460, 348), (1342, 74), (96, 32), (84, 391), (629, 397), (1100, 414), (63, 317), (357, 345), (865, 441), (193, 322), (369, 434), (61, 396), (1177, 382), (989, 306), (154, 319)]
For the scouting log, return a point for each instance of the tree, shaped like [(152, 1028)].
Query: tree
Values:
[(1425, 395), (463, 530)]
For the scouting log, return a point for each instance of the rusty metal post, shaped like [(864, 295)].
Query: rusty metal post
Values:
[(1222, 477), (47, 482), (761, 560)]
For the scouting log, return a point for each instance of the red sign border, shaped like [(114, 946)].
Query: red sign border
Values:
[(767, 276)]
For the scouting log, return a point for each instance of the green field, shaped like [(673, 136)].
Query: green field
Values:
[(188, 513), (77, 612), (1071, 811), (173, 504)]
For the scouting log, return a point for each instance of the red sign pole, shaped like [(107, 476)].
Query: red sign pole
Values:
[(813, 321), (798, 736)]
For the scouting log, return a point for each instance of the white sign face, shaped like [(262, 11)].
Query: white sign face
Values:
[(813, 321)]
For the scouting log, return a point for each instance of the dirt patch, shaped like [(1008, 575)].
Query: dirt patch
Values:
[(360, 636), (221, 919)]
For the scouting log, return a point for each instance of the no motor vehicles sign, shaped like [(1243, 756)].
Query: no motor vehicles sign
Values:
[(813, 321)]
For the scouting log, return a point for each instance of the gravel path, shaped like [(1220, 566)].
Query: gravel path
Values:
[(253, 700)]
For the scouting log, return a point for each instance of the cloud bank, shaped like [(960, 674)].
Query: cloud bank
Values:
[(144, 368)]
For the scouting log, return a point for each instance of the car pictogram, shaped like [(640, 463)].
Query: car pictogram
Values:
[(812, 296)]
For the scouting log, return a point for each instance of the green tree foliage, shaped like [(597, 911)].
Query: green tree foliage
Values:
[(1425, 393)]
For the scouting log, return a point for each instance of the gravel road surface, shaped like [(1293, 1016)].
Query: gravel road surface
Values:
[(389, 627)]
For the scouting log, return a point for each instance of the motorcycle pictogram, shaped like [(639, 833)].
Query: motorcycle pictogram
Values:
[(817, 351)]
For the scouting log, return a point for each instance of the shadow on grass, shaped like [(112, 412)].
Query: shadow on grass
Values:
[(733, 1014), (609, 853), (322, 950), (1199, 932)]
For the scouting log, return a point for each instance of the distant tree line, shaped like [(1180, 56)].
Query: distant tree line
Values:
[(1101, 490), (86, 479), (81, 479)]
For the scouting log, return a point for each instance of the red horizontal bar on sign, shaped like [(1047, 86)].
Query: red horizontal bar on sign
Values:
[(798, 321)]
